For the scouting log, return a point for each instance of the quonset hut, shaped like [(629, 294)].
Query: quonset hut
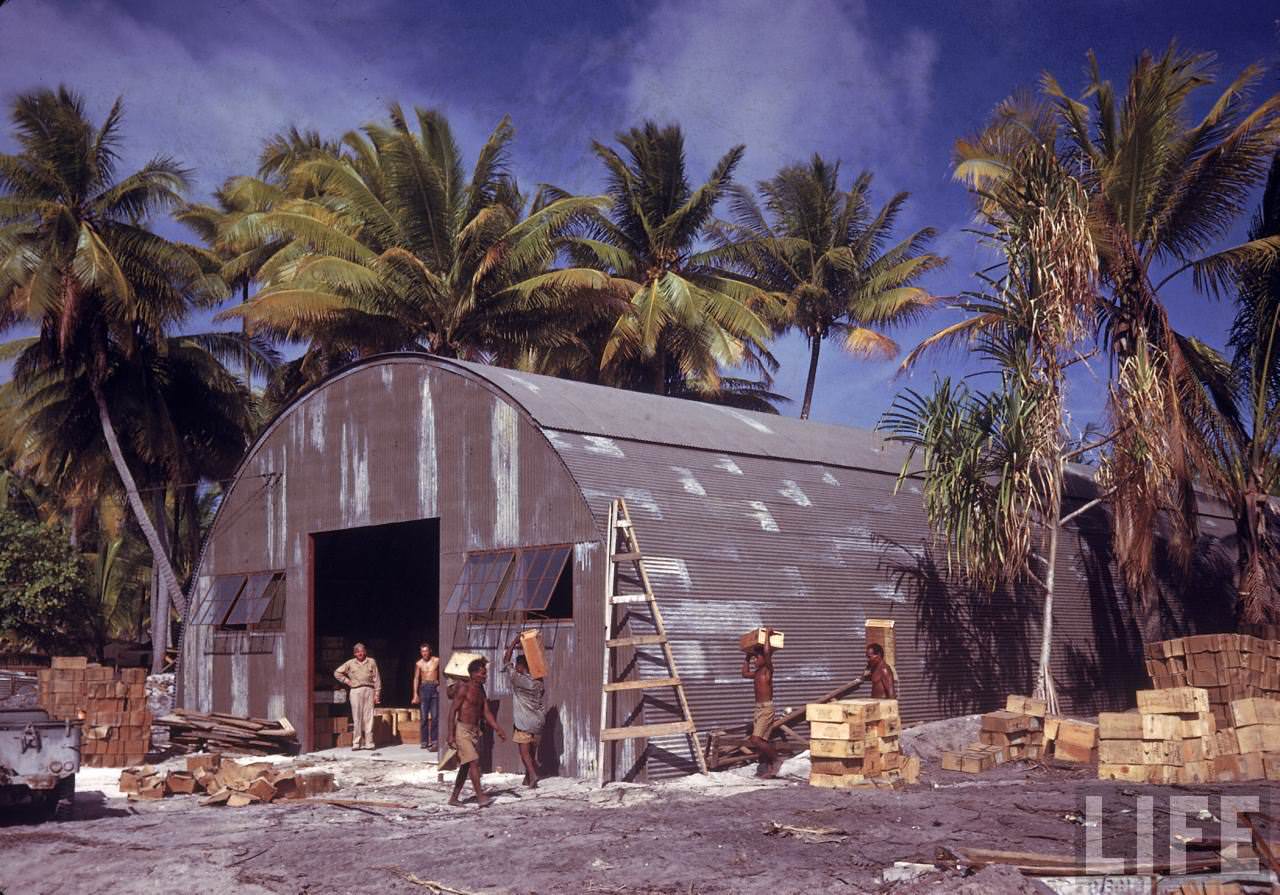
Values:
[(357, 510)]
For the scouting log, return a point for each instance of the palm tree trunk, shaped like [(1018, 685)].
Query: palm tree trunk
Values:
[(160, 599), (159, 557), (660, 371), (1045, 688), (815, 346)]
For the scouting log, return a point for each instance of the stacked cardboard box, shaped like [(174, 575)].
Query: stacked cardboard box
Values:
[(1250, 749), (1023, 731), (1171, 738), (854, 743), (112, 706), (1013, 733), (1227, 666)]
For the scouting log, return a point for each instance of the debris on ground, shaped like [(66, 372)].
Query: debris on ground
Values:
[(225, 782), (215, 732)]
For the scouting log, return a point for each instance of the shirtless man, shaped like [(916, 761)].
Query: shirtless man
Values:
[(758, 665), (426, 692), (883, 686), (470, 711)]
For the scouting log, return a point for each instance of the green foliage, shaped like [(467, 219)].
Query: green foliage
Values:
[(44, 586)]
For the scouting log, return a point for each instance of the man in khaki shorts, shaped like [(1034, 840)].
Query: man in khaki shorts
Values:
[(361, 676), (528, 711), (758, 666), (470, 710)]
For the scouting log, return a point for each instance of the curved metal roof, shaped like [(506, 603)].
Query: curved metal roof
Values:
[(562, 405)]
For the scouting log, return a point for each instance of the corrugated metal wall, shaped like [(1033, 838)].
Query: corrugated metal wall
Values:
[(735, 539)]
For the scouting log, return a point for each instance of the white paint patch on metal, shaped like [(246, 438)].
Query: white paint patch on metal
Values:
[(746, 420), (687, 481), (269, 483), (240, 684), (526, 383), (353, 477), (791, 490), (795, 582), (889, 592), (606, 447), (583, 552), (668, 572), (387, 372), (761, 514), (280, 544), (426, 457), (728, 466), (691, 658), (504, 460), (558, 440), (829, 478), (638, 499), (711, 617), (275, 702), (316, 421)]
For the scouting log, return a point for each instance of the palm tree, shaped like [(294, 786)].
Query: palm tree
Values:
[(994, 464), (389, 246), (77, 261), (1247, 436), (685, 319), (1164, 188), (828, 252)]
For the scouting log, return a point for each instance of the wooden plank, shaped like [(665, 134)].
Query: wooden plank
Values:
[(638, 731), (626, 557), (642, 684), (637, 640), (626, 599)]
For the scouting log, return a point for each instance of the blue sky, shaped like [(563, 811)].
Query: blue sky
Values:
[(882, 86)]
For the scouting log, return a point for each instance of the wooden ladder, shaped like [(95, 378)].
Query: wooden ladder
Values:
[(623, 549)]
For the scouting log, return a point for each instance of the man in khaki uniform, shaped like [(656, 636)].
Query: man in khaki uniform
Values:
[(361, 676)]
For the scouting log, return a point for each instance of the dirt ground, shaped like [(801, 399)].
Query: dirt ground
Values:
[(725, 833)]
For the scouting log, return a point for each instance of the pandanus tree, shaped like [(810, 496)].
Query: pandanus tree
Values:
[(1165, 187), (683, 318), (993, 463), (78, 263), (389, 246), (830, 254)]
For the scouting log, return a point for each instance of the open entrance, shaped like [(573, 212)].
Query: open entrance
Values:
[(377, 585)]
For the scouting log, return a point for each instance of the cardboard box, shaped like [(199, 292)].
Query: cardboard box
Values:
[(755, 637), (534, 653), (457, 664), (880, 630)]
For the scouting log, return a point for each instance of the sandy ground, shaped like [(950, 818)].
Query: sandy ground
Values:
[(718, 834)]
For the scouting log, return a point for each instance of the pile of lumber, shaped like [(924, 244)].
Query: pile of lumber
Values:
[(214, 732), (1171, 738), (224, 782), (1227, 666), (853, 743), (1022, 731), (111, 704)]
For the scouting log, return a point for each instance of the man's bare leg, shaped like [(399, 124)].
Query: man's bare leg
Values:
[(770, 763), (530, 769), (457, 784), (481, 799)]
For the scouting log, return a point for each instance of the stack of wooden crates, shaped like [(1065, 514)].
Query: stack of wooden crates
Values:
[(853, 742), (112, 706), (1023, 731), (1171, 738), (1227, 666)]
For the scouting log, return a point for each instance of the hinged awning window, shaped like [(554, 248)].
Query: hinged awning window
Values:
[(534, 580), (218, 599), (254, 599), (482, 578)]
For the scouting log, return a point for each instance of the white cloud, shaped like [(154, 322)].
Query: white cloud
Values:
[(786, 80)]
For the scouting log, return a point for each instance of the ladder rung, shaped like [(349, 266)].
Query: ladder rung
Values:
[(638, 640), (622, 523), (650, 683), (619, 599), (626, 557), (636, 731)]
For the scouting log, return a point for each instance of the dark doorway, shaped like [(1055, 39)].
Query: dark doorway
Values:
[(378, 585)]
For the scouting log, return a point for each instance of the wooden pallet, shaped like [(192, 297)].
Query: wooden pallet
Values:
[(640, 610)]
